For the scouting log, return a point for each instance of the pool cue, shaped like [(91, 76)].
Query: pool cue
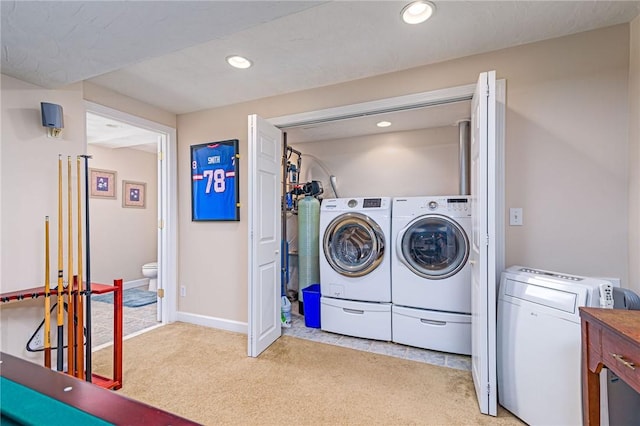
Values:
[(79, 307), (71, 329), (47, 298), (88, 268), (60, 289)]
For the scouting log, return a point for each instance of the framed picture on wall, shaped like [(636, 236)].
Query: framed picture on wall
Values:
[(215, 189), (134, 194), (103, 183)]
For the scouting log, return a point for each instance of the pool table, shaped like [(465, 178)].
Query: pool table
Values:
[(32, 394)]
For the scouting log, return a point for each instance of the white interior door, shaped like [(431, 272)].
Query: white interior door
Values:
[(484, 242), (265, 153)]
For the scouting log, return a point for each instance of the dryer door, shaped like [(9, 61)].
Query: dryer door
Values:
[(353, 244), (433, 246)]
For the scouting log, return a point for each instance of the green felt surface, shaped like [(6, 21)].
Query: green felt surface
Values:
[(23, 406)]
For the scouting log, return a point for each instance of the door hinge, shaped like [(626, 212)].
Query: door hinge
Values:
[(489, 388), (486, 240), (161, 293), (160, 155), (160, 224)]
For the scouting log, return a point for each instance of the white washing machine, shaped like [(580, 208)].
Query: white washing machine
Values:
[(431, 274), (355, 267)]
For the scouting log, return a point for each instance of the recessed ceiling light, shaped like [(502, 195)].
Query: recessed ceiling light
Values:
[(383, 124), (417, 12), (238, 62)]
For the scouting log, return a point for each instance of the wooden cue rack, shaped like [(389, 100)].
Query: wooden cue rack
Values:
[(115, 382)]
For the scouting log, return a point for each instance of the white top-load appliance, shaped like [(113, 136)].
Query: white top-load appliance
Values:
[(539, 342)]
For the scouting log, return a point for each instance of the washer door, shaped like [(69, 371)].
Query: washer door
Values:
[(353, 244), (433, 246)]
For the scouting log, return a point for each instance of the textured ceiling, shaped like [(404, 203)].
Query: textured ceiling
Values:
[(53, 43), (171, 54), (109, 133)]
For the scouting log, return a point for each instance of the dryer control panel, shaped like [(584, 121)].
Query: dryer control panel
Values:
[(457, 207), (449, 203)]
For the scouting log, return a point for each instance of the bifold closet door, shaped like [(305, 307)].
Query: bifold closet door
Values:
[(265, 154), (483, 242)]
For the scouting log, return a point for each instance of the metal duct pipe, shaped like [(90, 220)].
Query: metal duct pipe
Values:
[(332, 181), (464, 135)]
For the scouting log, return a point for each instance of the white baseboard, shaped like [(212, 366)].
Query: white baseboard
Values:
[(219, 323), (127, 337), (142, 282)]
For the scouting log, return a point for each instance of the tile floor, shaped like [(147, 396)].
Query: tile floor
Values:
[(138, 319), (298, 329), (133, 320)]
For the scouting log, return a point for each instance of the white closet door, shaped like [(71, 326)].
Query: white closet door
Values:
[(484, 239), (265, 154)]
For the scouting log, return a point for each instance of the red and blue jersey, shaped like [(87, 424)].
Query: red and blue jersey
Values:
[(214, 183)]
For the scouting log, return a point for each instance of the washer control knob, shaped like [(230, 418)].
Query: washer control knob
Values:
[(433, 205), (352, 203)]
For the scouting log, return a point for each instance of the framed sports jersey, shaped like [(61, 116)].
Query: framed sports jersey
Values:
[(214, 181)]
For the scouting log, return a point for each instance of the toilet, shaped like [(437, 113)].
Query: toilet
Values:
[(150, 270)]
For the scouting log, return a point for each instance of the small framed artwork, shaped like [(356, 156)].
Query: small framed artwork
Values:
[(103, 183), (215, 189), (134, 194)]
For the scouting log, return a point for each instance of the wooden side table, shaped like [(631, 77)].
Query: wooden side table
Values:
[(610, 338)]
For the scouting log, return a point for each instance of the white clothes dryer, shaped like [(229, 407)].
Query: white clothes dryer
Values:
[(355, 267), (431, 276), (430, 267)]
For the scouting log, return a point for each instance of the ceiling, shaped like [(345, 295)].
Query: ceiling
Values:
[(171, 54), (109, 133), (404, 120)]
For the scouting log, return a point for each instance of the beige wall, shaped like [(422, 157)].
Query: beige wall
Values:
[(412, 163), (212, 256), (634, 156), (117, 101), (566, 153), (566, 160), (123, 239), (29, 192)]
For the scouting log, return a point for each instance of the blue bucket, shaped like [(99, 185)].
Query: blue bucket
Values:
[(311, 297)]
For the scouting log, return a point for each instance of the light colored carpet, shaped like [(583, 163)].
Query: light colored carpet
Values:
[(205, 375)]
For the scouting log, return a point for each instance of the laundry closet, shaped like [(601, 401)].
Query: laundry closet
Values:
[(367, 162), (368, 171)]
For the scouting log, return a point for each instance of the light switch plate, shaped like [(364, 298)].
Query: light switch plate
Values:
[(515, 216)]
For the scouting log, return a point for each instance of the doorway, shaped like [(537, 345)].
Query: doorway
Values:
[(135, 227)]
